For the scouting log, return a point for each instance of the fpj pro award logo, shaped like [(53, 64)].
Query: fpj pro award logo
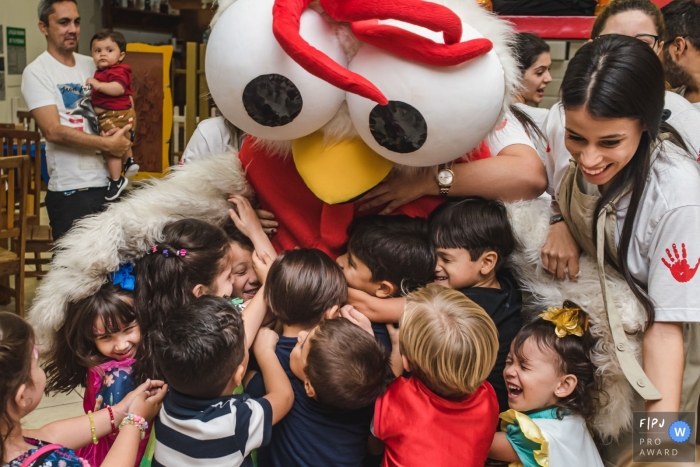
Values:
[(664, 437)]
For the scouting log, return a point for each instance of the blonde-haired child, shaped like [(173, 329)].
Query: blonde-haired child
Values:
[(445, 413)]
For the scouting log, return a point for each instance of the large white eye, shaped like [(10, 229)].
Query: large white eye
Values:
[(436, 114), (257, 86)]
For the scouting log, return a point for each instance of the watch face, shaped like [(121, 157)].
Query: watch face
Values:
[(445, 177)]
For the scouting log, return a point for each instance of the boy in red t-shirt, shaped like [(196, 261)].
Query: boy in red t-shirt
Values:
[(111, 98), (445, 413)]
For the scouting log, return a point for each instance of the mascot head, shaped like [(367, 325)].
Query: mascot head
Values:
[(355, 87)]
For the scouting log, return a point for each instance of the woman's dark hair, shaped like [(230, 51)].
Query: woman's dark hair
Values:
[(621, 77), (200, 346), (476, 225), (165, 279), (348, 368), (572, 358), (73, 351), (16, 343), (396, 249), (526, 48), (302, 284), (621, 6)]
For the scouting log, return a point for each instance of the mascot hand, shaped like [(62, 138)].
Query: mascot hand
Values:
[(399, 188), (261, 264), (561, 252), (268, 222)]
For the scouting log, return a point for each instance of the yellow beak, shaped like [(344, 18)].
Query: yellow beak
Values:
[(341, 172)]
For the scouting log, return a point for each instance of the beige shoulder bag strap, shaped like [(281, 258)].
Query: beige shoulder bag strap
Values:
[(630, 366)]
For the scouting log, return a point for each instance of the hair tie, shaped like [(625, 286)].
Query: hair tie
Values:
[(123, 277), (154, 248), (566, 319), (165, 253), (182, 252)]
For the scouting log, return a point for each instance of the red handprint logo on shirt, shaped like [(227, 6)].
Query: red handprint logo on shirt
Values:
[(680, 269)]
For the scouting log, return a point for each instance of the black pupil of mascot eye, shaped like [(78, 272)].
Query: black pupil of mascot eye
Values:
[(398, 127), (272, 100)]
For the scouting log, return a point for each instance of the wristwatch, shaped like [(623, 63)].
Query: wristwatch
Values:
[(445, 178), (556, 218)]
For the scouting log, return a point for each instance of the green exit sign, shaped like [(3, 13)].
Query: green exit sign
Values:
[(16, 37)]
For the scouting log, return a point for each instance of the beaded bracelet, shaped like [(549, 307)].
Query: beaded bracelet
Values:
[(92, 427), (138, 422), (111, 420)]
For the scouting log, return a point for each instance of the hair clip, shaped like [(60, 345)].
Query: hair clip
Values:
[(566, 319), (182, 253), (97, 332), (154, 248), (165, 253), (123, 277)]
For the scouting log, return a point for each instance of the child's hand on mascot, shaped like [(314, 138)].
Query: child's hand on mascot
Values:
[(261, 264), (245, 218)]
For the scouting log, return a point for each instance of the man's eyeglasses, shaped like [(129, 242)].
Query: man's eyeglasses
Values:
[(650, 39)]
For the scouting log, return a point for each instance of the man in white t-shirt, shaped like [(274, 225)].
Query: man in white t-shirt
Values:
[(53, 86), (681, 50)]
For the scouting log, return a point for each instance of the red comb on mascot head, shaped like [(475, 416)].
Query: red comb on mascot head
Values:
[(352, 90)]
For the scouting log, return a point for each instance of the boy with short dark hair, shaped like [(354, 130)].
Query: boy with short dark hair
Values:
[(388, 256), (341, 365), (203, 355), (473, 239), (327, 425)]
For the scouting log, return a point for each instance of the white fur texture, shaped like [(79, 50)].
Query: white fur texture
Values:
[(530, 221), (124, 232)]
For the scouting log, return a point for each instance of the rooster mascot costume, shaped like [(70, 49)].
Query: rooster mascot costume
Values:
[(334, 94)]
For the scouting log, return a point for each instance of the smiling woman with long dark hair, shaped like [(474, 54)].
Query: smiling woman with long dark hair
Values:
[(631, 199)]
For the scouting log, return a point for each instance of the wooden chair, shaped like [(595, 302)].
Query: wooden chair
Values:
[(39, 237), (14, 172), (27, 120), (11, 126)]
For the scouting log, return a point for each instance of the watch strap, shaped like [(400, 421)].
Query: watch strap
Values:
[(556, 219)]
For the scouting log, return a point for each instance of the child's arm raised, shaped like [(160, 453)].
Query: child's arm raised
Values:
[(76, 432), (248, 223), (378, 310), (279, 390), (114, 88), (255, 311), (125, 448), (502, 450)]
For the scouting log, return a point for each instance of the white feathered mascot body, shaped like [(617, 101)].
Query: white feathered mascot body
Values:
[(337, 94)]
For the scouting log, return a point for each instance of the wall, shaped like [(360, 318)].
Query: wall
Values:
[(23, 14)]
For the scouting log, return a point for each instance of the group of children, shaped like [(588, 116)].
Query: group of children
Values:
[(402, 352)]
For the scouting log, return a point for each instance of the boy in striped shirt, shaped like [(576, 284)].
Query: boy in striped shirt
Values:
[(203, 355)]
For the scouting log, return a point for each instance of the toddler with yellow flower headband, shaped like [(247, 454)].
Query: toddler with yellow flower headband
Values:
[(552, 394)]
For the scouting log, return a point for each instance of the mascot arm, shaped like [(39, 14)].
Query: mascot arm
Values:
[(664, 364), (517, 173), (48, 120)]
